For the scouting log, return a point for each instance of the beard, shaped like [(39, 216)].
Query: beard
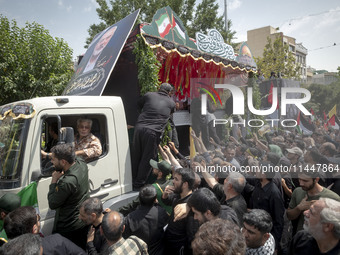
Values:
[(315, 231), (58, 168), (179, 189), (309, 187)]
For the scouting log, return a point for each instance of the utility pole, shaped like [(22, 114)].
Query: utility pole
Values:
[(225, 15)]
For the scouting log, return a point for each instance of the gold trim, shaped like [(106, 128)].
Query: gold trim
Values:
[(189, 54), (2, 117), (22, 116)]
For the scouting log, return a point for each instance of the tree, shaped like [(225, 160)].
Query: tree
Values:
[(324, 97), (205, 15), (278, 58), (32, 62)]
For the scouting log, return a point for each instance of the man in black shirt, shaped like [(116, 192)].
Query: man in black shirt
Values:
[(230, 192), (321, 234), (156, 108), (91, 213), (267, 196), (148, 221), (179, 234), (25, 220), (206, 207)]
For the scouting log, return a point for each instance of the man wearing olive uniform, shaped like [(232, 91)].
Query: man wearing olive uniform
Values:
[(68, 189)]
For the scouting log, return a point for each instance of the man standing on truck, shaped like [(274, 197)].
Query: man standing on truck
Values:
[(68, 189), (157, 108)]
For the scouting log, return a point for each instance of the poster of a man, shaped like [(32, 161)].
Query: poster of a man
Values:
[(99, 47), (94, 69)]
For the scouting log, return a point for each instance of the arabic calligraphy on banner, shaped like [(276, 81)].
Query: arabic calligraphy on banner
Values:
[(213, 43)]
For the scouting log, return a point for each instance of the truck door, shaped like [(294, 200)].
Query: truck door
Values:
[(104, 177)]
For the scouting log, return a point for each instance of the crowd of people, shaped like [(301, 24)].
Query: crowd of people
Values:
[(272, 193)]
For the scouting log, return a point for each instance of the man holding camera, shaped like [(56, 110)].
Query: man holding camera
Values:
[(68, 189)]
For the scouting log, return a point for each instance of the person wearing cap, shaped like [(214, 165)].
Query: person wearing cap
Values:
[(161, 170), (305, 195), (293, 155), (8, 203), (156, 110)]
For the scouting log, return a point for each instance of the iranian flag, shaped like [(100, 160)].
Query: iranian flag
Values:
[(164, 25), (179, 29)]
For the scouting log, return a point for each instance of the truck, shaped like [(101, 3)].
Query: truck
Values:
[(106, 92), (24, 129)]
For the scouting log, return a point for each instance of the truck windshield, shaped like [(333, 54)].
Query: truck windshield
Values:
[(13, 133)]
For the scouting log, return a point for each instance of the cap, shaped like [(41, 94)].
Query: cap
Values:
[(295, 150), (9, 202), (163, 166), (166, 87)]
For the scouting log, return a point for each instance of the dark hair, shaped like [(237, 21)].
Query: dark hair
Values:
[(93, 205), (306, 169), (112, 231), (187, 176), (24, 244), (147, 195), (260, 219), (301, 144), (54, 127), (20, 221), (315, 154), (219, 237), (166, 87), (64, 151), (273, 158), (203, 200)]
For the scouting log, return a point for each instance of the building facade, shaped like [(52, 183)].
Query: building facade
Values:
[(257, 40)]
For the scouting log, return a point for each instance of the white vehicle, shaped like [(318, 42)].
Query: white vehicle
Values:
[(24, 129)]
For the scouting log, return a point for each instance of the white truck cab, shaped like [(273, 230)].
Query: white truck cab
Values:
[(24, 132)]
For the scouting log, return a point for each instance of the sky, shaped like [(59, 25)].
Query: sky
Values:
[(315, 24)]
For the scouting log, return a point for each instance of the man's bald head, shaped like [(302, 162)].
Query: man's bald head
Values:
[(113, 226)]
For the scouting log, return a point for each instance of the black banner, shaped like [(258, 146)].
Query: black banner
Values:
[(99, 60)]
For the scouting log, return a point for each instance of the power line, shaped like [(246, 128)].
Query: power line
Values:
[(325, 47), (298, 18), (312, 15)]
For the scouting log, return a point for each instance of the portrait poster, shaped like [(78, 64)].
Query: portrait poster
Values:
[(96, 66)]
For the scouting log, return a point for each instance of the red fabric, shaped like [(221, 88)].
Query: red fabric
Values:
[(331, 121), (270, 96)]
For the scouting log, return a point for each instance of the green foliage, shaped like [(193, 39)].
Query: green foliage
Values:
[(256, 101), (278, 58), (148, 66), (324, 97), (32, 62), (205, 15)]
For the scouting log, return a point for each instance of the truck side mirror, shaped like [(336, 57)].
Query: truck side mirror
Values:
[(67, 135), (36, 175)]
